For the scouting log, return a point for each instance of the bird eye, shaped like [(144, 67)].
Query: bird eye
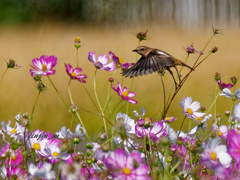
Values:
[(142, 49)]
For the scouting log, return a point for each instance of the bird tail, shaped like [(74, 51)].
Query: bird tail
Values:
[(183, 64)]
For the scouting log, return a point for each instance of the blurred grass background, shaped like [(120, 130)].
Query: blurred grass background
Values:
[(29, 29)]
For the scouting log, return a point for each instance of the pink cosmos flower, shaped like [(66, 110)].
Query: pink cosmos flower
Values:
[(17, 173), (222, 131), (13, 158), (75, 73), (168, 119), (223, 85), (126, 167), (101, 62), (233, 146), (216, 158), (119, 61), (154, 131), (43, 66), (125, 94)]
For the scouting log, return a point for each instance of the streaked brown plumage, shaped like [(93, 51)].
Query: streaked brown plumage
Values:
[(151, 61)]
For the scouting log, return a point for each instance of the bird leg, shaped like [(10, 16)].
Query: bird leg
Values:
[(179, 76), (173, 77)]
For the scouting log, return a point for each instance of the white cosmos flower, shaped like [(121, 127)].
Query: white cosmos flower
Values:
[(191, 109), (201, 124), (236, 113), (129, 124), (17, 132), (226, 92), (44, 172), (215, 152)]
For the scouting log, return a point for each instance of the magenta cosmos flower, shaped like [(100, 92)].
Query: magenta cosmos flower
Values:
[(119, 62), (125, 94), (223, 85), (43, 66), (154, 131), (126, 167), (101, 62), (233, 146), (75, 73)]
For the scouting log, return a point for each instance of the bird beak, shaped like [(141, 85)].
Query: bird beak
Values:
[(135, 50)]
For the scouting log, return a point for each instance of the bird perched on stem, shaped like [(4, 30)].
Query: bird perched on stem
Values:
[(153, 60)]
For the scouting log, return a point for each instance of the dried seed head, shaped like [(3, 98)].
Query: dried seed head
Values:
[(234, 80)]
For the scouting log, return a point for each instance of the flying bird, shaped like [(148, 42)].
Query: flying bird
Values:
[(153, 60)]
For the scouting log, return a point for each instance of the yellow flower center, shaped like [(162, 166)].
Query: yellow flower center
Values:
[(14, 156), (36, 146), (55, 154), (168, 118), (73, 74), (126, 171), (213, 155), (198, 119), (219, 133), (189, 111), (120, 60), (125, 93), (14, 131), (44, 67), (77, 39)]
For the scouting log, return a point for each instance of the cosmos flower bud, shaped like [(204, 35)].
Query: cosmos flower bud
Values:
[(76, 141), (169, 159), (89, 145), (73, 109), (99, 163), (105, 147), (84, 164), (202, 109), (233, 123), (147, 122), (89, 160), (110, 79), (217, 76), (142, 35), (89, 152), (41, 86), (214, 49), (227, 113), (216, 31), (77, 42), (37, 77), (234, 80), (12, 64)]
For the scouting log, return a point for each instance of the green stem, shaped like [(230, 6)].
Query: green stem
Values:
[(2, 79), (71, 99), (212, 104), (95, 91), (178, 163), (34, 105), (215, 104), (90, 97), (52, 84), (182, 125), (164, 96), (71, 123), (101, 146), (109, 90), (115, 108), (77, 57)]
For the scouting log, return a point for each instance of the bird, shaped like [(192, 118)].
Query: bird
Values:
[(153, 60)]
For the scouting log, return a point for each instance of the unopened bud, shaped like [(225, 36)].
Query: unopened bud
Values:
[(10, 63), (84, 164), (76, 141), (105, 147), (110, 79), (227, 113), (233, 123), (89, 160), (89, 152), (234, 80), (89, 145), (214, 49), (142, 35), (37, 77), (77, 42), (41, 86), (216, 31), (73, 109), (202, 109), (217, 76), (99, 163)]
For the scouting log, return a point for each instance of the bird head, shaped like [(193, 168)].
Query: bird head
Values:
[(142, 50)]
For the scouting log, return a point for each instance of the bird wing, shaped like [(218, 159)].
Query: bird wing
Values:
[(154, 61)]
